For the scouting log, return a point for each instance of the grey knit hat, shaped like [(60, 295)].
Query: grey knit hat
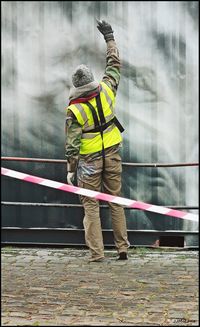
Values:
[(82, 76)]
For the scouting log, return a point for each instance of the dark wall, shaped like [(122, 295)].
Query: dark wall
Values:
[(157, 101)]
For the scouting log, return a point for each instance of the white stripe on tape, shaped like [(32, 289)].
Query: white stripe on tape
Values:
[(158, 209), (15, 174), (123, 201), (86, 192), (191, 216), (50, 183)]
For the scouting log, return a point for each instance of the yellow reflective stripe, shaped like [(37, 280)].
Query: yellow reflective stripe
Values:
[(108, 89), (80, 114), (89, 135), (106, 103), (88, 128), (77, 113), (107, 96), (88, 114), (92, 135), (108, 118), (108, 99), (95, 144)]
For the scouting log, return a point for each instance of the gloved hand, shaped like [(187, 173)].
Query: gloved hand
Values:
[(70, 177), (106, 29)]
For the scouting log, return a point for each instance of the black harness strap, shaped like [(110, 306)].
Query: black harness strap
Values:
[(98, 129), (100, 110), (102, 122), (114, 120), (98, 125), (119, 126), (94, 115), (102, 117), (102, 125)]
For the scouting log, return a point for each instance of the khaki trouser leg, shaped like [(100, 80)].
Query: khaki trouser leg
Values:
[(112, 185), (92, 226), (119, 228), (89, 177)]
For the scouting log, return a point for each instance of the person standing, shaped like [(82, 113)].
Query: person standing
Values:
[(93, 141)]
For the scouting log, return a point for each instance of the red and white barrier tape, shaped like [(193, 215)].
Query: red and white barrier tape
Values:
[(99, 196)]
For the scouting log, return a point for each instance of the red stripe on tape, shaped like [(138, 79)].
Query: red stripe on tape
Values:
[(105, 197), (68, 188), (176, 213), (141, 205), (4, 171), (36, 180)]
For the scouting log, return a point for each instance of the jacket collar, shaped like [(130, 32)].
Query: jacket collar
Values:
[(84, 92)]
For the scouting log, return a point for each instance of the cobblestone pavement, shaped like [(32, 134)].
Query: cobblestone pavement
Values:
[(57, 286)]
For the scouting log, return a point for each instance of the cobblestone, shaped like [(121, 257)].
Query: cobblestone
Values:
[(58, 287)]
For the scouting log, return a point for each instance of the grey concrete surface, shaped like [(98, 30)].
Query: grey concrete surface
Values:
[(57, 286)]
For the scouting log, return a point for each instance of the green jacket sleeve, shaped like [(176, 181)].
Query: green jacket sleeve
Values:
[(112, 72), (73, 132)]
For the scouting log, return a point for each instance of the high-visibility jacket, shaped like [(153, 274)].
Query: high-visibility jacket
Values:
[(93, 141)]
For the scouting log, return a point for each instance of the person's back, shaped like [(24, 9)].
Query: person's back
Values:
[(93, 139)]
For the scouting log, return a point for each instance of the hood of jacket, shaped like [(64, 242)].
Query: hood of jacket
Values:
[(83, 91)]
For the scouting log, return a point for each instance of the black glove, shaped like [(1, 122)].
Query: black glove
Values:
[(105, 29)]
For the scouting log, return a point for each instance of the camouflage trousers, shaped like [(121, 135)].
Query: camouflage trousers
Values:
[(90, 176)]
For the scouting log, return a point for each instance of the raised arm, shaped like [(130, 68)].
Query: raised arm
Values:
[(112, 72)]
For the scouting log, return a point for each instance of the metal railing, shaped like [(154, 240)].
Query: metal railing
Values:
[(70, 236), (131, 164), (61, 161)]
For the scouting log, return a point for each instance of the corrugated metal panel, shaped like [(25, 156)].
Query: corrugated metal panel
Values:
[(157, 101)]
